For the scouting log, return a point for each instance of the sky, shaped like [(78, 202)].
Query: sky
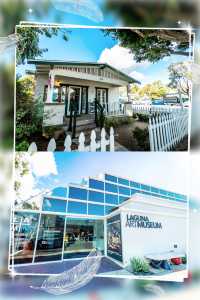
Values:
[(91, 45), (163, 170)]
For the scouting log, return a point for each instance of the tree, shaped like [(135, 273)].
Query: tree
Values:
[(29, 113), (153, 13), (179, 76), (28, 41), (152, 90), (152, 45)]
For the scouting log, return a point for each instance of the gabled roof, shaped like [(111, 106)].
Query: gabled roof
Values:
[(79, 63)]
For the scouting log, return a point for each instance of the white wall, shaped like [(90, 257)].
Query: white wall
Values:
[(141, 241)]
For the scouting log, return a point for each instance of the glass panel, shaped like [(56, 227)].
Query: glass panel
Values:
[(25, 229), (96, 184), (50, 239), (111, 199), (77, 193), (63, 93), (54, 205), (124, 191), (77, 207), (163, 192), (81, 236), (84, 100), (110, 178), (96, 197), (145, 187), (114, 239), (123, 181), (110, 209), (122, 199), (111, 187), (55, 94), (154, 190), (59, 192), (135, 184), (133, 192), (94, 209)]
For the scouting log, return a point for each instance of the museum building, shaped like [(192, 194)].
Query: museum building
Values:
[(120, 217)]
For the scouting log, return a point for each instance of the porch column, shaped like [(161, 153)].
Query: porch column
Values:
[(50, 87), (128, 92)]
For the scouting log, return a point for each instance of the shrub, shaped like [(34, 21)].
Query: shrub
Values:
[(22, 146), (117, 121), (143, 117), (139, 265), (142, 137)]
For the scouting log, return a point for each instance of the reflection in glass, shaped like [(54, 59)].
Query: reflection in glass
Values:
[(81, 236), (110, 178), (123, 181), (96, 184), (54, 205), (111, 199), (124, 191), (94, 209), (96, 197), (50, 238), (77, 193), (111, 188), (59, 192), (25, 228), (77, 207)]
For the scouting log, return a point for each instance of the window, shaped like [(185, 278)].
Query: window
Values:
[(109, 209), (133, 192), (59, 192), (25, 228), (97, 210), (163, 192), (123, 181), (84, 100), (154, 190), (45, 93), (54, 205), (77, 193), (110, 178), (124, 191), (122, 199), (77, 208), (111, 188), (81, 236), (111, 199), (135, 184), (96, 197), (145, 187), (55, 94), (96, 184), (50, 238)]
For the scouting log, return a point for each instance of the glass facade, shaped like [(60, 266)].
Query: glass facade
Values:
[(59, 232), (25, 230)]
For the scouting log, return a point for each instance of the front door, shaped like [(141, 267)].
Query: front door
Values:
[(74, 94), (101, 95)]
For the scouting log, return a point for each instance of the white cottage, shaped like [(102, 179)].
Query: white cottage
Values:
[(58, 82)]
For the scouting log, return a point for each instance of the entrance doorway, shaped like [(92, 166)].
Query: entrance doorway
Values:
[(74, 94), (81, 236)]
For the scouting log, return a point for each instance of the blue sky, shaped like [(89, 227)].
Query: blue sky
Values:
[(164, 170), (89, 44)]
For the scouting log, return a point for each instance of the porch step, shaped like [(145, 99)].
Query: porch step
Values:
[(83, 123)]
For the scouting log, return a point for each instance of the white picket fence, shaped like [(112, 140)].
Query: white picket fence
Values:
[(167, 130), (147, 109), (103, 145)]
